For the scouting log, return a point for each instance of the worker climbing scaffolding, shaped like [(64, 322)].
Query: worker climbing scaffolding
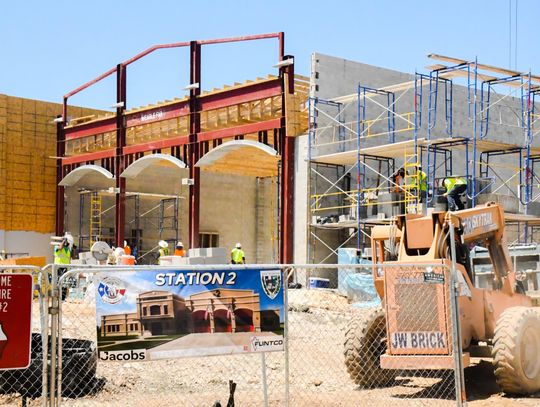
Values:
[(455, 186)]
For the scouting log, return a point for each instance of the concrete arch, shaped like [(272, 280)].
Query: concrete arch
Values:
[(224, 149), (75, 176), (133, 170)]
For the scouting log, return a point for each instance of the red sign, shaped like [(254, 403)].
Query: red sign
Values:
[(15, 320)]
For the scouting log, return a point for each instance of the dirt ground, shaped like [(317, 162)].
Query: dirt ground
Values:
[(317, 374)]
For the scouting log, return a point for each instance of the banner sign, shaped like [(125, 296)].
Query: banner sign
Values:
[(16, 292), (154, 314)]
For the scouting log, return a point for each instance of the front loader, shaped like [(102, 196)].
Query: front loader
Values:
[(413, 329)]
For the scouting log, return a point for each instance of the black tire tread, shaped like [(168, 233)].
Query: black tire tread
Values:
[(505, 346), (364, 343)]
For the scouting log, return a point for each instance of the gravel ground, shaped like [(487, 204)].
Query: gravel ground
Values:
[(317, 324)]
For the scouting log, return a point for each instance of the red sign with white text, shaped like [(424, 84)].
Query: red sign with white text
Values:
[(15, 320)]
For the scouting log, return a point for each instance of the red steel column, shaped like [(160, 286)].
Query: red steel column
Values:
[(194, 151), (287, 174), (60, 151), (119, 158)]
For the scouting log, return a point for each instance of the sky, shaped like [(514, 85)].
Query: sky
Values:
[(49, 48)]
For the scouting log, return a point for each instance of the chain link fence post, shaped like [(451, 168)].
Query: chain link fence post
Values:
[(27, 385), (461, 398)]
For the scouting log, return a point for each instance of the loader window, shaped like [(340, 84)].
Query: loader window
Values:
[(379, 252), (379, 255)]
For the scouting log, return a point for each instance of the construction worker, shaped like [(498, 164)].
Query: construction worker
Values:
[(179, 250), (422, 181), (62, 256), (455, 186), (164, 248), (62, 252), (237, 255), (127, 249), (397, 192)]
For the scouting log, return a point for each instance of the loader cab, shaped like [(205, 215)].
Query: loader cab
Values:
[(384, 241)]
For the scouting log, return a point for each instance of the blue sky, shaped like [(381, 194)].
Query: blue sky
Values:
[(49, 48)]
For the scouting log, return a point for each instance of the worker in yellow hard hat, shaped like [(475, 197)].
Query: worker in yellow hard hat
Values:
[(237, 255), (455, 186)]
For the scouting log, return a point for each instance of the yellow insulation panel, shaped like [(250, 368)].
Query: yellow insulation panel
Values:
[(27, 171)]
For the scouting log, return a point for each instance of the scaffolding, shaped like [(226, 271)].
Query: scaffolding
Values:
[(483, 131), (161, 217)]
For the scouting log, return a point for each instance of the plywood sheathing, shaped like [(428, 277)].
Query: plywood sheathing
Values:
[(27, 173)]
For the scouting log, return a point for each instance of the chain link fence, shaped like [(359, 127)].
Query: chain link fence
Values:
[(339, 341), (336, 348), (21, 386)]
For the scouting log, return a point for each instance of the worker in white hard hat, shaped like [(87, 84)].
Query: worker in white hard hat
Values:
[(118, 253), (127, 249), (163, 248), (179, 250), (237, 255)]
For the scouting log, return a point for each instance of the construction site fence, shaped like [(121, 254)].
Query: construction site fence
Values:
[(334, 333)]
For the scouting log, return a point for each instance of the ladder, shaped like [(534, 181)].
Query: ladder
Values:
[(412, 184), (95, 217), (168, 217)]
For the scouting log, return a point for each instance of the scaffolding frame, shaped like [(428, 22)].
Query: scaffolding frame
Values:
[(426, 144)]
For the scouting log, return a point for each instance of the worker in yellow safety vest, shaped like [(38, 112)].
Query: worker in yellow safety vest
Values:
[(164, 248), (237, 255), (418, 184), (62, 253), (455, 186), (62, 256), (422, 180)]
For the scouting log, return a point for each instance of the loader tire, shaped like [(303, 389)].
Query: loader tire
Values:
[(516, 351), (365, 342)]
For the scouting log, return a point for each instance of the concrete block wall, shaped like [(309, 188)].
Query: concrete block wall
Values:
[(230, 205), (332, 77)]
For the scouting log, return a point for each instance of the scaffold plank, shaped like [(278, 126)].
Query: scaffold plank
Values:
[(393, 150)]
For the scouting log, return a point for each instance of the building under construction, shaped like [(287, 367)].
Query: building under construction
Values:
[(211, 169), (458, 118), (296, 168)]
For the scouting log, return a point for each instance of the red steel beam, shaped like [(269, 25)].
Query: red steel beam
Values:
[(193, 147), (157, 114), (120, 159), (278, 35), (287, 146), (91, 128), (247, 93), (154, 48), (90, 83), (240, 130), (156, 145), (226, 98), (98, 155), (60, 151)]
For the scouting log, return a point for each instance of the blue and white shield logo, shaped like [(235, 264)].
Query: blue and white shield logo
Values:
[(271, 282)]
